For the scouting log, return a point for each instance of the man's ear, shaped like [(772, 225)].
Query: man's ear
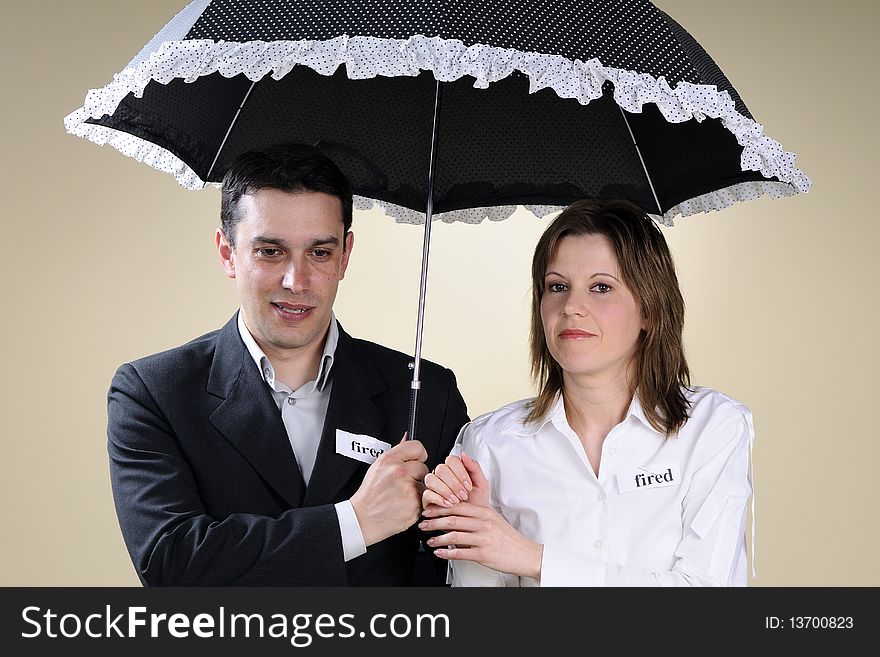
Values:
[(226, 252), (349, 245)]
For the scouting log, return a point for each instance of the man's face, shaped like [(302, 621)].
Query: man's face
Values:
[(290, 254)]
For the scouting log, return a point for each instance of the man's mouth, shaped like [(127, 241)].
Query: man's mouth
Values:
[(292, 309)]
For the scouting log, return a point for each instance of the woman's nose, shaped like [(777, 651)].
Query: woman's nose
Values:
[(575, 305)]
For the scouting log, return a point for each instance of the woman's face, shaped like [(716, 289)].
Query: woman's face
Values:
[(591, 319)]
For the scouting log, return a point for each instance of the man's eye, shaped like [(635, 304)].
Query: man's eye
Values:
[(321, 253), (601, 288), (269, 252), (557, 287)]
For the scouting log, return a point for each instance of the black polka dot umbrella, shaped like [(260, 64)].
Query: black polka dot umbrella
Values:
[(508, 103)]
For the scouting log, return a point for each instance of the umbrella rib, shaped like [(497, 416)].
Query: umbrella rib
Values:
[(229, 130), (642, 160)]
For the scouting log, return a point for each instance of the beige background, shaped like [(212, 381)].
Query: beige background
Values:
[(105, 260)]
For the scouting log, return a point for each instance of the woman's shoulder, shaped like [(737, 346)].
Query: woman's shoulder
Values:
[(509, 418), (716, 420), (513, 412), (705, 401)]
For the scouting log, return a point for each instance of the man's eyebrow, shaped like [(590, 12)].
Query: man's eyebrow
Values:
[(277, 241), (323, 241), (264, 239)]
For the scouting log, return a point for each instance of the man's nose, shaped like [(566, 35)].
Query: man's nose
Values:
[(296, 277)]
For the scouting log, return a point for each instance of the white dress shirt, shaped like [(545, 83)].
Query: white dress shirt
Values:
[(662, 512), (303, 412)]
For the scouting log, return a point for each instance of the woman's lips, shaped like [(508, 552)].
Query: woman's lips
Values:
[(576, 334)]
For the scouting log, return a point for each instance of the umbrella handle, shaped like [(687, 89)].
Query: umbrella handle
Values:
[(426, 248)]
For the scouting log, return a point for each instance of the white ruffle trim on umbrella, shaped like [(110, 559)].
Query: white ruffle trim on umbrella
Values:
[(726, 197), (142, 150), (717, 200), (367, 57), (404, 215)]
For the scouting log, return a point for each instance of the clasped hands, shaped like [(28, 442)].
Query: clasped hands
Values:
[(456, 501)]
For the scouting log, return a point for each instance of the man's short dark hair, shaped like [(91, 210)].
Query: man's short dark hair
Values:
[(286, 167)]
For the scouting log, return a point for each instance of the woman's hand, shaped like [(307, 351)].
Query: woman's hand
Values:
[(456, 480), (481, 534)]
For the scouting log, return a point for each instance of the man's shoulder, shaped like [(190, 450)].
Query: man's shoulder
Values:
[(377, 351), (193, 355), (385, 357)]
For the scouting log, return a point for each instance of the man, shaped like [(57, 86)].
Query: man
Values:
[(269, 452)]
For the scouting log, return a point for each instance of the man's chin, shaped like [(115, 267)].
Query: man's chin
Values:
[(287, 337), (291, 340), (282, 335)]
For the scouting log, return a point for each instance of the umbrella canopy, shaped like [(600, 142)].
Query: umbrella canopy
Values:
[(543, 104)]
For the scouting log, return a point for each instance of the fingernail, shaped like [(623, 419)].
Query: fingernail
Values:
[(447, 504), (423, 524), (468, 484), (431, 542), (428, 513), (454, 499), (462, 494)]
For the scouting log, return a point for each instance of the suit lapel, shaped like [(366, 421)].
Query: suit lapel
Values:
[(248, 417), (352, 409)]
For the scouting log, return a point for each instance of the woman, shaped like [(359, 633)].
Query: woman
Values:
[(618, 473)]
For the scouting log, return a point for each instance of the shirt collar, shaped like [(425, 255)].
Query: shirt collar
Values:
[(265, 367), (556, 415), (517, 426), (636, 411)]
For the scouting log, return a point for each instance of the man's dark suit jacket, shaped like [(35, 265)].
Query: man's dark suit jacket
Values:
[(207, 487)]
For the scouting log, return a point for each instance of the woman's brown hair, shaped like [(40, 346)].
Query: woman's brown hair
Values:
[(660, 369)]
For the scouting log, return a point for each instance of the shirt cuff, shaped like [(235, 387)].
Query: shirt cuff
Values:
[(561, 567), (471, 573), (352, 538)]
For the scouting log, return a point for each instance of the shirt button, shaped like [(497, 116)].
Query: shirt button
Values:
[(597, 544), (601, 496), (291, 401)]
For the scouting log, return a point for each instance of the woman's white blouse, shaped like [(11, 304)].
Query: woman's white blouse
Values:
[(662, 512)]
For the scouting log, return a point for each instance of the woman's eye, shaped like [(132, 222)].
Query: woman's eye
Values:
[(601, 288), (557, 287)]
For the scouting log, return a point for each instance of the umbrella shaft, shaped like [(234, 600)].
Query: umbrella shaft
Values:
[(426, 248)]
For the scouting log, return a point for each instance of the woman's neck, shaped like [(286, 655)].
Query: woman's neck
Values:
[(594, 405)]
